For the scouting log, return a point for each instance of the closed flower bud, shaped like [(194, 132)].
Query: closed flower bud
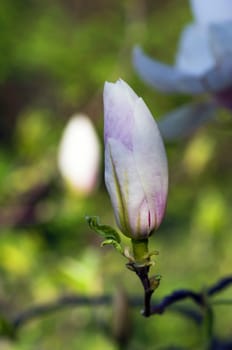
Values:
[(136, 172), (79, 155)]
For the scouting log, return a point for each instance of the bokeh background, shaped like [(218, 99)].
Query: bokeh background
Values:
[(55, 57)]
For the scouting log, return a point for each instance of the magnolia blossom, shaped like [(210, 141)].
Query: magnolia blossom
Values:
[(211, 11), (204, 58), (79, 154), (136, 172)]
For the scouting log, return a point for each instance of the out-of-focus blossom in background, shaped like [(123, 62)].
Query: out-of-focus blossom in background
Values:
[(209, 11), (186, 120), (79, 155), (204, 57)]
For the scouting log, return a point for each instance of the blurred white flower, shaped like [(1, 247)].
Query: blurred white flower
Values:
[(79, 154), (204, 58)]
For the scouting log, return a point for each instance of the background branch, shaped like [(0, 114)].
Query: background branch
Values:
[(168, 302), (198, 298)]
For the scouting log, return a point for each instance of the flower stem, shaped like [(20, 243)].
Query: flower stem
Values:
[(141, 267), (140, 250)]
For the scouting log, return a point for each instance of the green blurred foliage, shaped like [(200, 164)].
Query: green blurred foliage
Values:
[(57, 55)]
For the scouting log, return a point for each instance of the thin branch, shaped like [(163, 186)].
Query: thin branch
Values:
[(220, 285), (47, 308), (41, 310), (167, 302), (197, 297), (176, 296), (142, 273)]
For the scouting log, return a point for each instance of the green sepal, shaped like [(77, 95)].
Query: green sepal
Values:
[(155, 281), (109, 234), (112, 242)]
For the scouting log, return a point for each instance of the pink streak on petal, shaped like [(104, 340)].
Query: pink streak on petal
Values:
[(149, 218)]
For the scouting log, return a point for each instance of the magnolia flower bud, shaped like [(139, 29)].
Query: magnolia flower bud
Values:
[(136, 172), (212, 11), (79, 154)]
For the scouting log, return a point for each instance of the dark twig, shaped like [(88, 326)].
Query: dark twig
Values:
[(197, 297), (61, 303), (220, 285), (40, 310), (175, 297), (142, 272), (72, 301)]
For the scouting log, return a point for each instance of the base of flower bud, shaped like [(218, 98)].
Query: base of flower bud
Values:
[(140, 252)]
